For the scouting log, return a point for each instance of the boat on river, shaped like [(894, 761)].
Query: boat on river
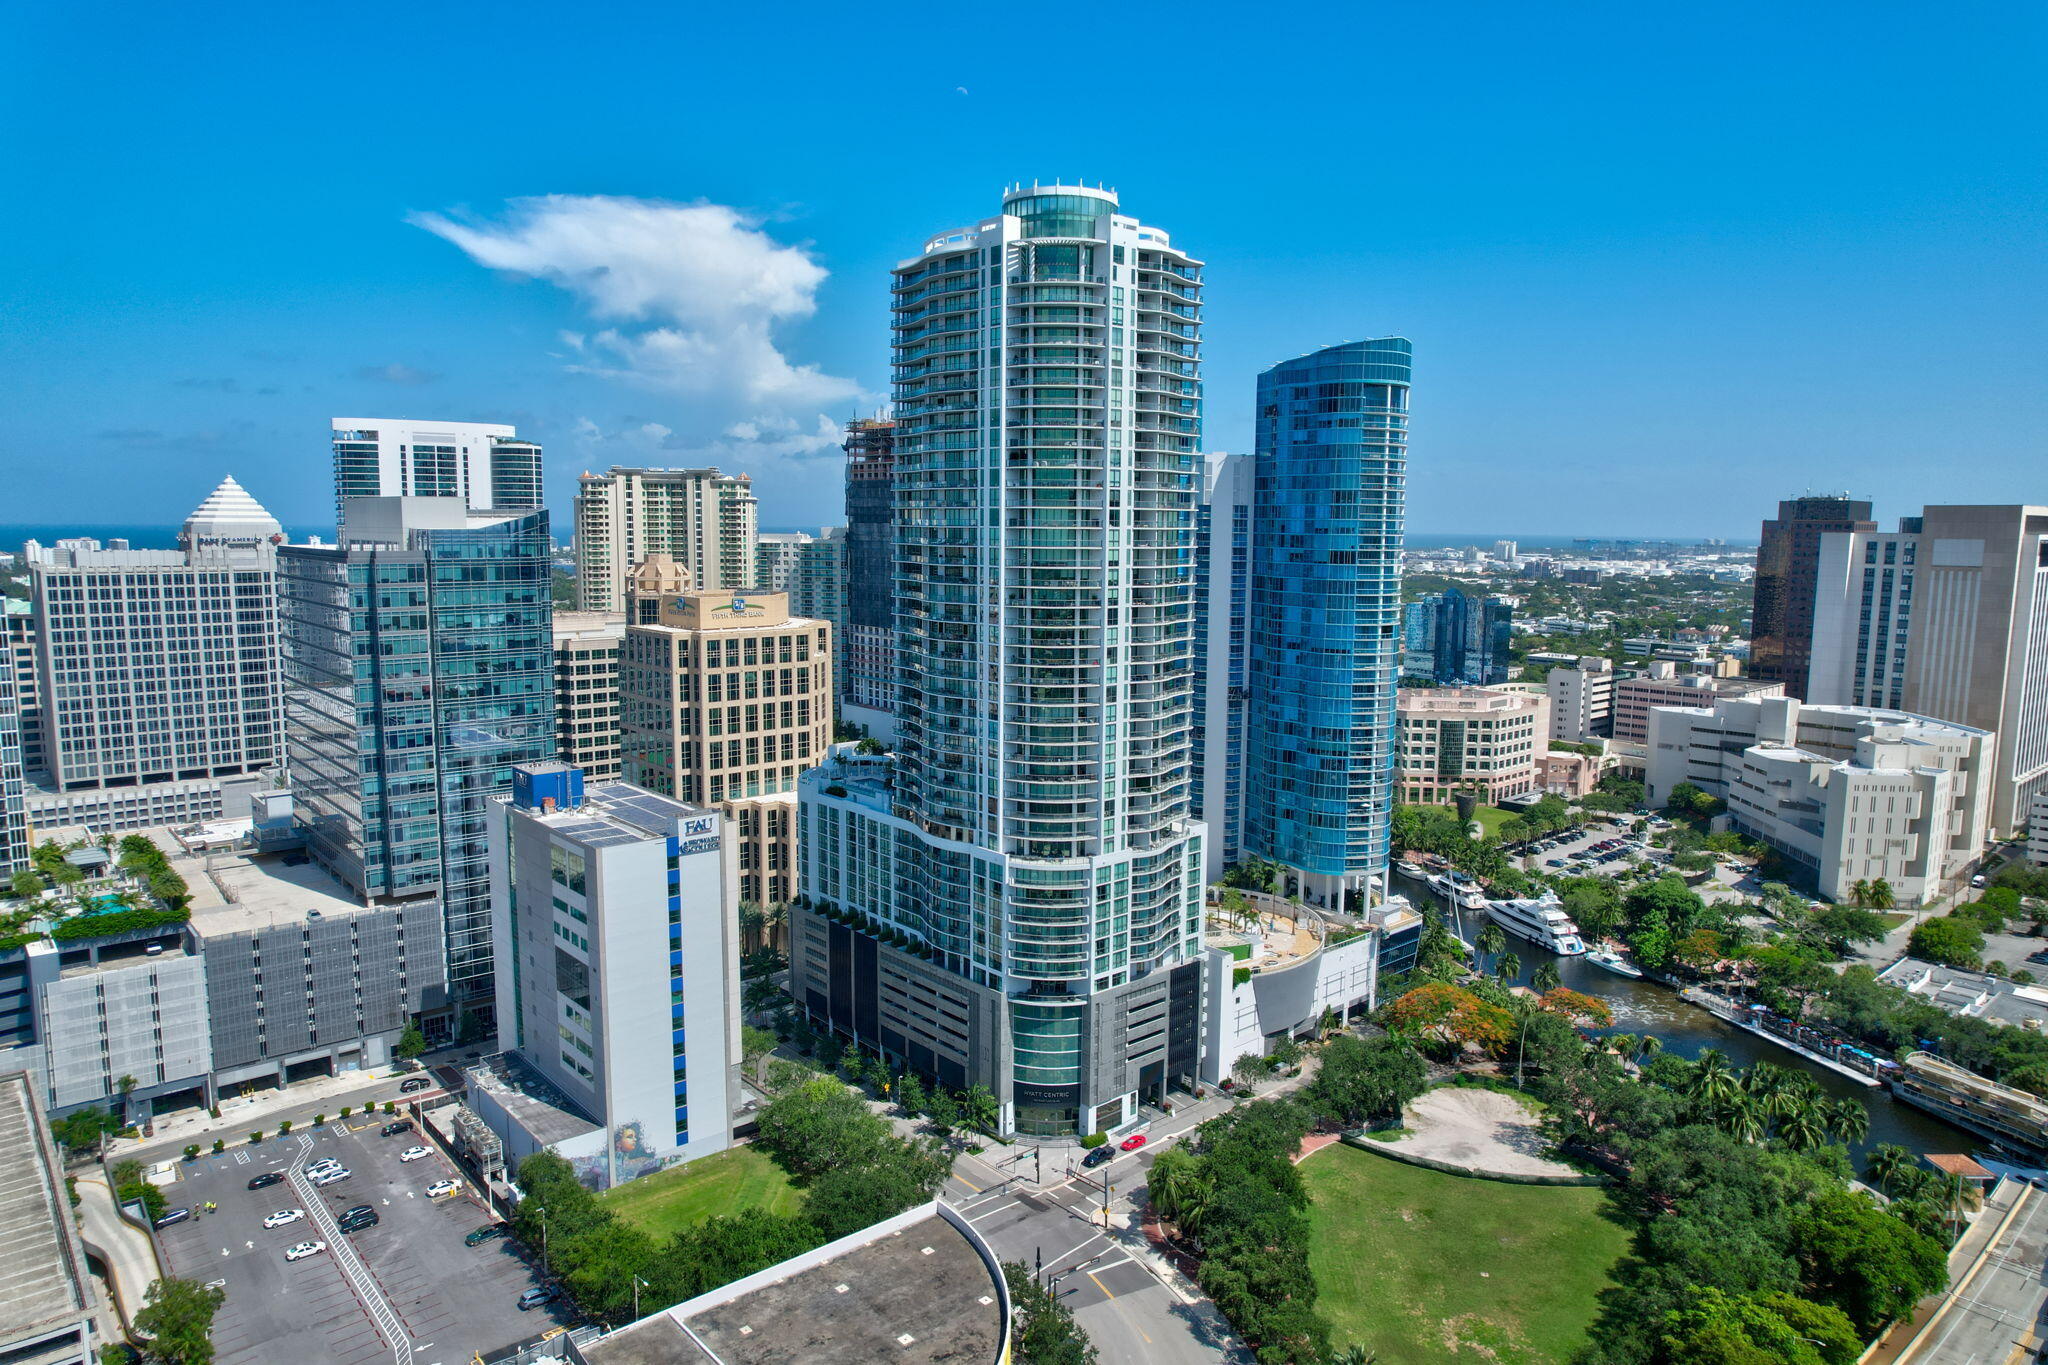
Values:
[(1816, 1047), (1541, 921), (1466, 895), (1613, 961)]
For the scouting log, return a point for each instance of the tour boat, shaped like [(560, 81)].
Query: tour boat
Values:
[(1542, 921)]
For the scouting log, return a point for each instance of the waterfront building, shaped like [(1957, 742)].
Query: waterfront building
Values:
[(1223, 537), (1782, 594), (724, 699), (1581, 699), (613, 907), (419, 668), (867, 638), (485, 464), (1849, 793), (159, 667), (1453, 639), (47, 1315), (587, 645), (707, 521), (1483, 740), (1322, 650), (1014, 900)]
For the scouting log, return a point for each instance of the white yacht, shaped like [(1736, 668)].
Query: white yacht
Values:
[(1466, 895), (1613, 961), (1541, 921)]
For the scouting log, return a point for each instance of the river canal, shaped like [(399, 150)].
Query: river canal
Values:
[(1642, 1007)]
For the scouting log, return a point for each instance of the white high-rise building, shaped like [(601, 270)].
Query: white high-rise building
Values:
[(1015, 901), (1581, 699), (707, 521), (161, 666), (776, 555), (483, 463), (616, 912)]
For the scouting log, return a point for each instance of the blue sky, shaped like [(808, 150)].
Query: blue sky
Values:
[(1662, 265)]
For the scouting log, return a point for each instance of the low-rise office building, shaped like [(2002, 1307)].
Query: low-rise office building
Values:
[(1452, 739), (1852, 794), (612, 909), (1663, 684)]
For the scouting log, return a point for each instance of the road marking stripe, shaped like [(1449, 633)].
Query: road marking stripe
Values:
[(1099, 1284)]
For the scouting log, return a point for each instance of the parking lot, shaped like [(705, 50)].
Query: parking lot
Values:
[(409, 1277)]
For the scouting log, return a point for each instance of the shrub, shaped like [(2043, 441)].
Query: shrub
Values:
[(319, 1119), (391, 1106), (284, 1127), (347, 1109), (213, 1110), (219, 1145), (1094, 1139), (256, 1136), (191, 1151)]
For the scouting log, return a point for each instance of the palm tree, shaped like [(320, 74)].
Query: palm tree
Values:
[(1742, 1119), (1492, 940), (1958, 1197), (126, 1085), (752, 921), (1507, 966), (1546, 979), (1885, 1163), (1882, 896), (1713, 1081), (1859, 894), (1803, 1125), (1849, 1120), (775, 917), (1648, 1046)]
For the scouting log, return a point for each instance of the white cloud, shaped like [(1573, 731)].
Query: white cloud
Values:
[(706, 286)]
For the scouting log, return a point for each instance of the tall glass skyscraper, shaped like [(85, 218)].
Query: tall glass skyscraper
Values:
[(1329, 507), (419, 670), (1016, 900)]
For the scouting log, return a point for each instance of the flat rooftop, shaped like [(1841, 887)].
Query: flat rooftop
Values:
[(1972, 994), (235, 891), (43, 1276), (541, 1110), (920, 1294)]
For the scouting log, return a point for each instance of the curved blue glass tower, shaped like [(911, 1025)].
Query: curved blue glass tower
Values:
[(1323, 646)]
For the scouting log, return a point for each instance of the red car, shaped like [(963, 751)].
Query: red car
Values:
[(1133, 1142)]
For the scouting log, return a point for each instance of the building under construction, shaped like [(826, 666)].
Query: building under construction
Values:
[(2012, 1118)]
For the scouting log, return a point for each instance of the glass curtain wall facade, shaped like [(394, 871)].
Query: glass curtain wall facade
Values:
[(866, 646), (1048, 410), (1329, 508), (417, 674)]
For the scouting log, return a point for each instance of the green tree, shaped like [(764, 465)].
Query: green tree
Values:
[(177, 1317), (1493, 940), (1546, 979), (1507, 966), (1863, 1260), (1364, 1079), (978, 1107), (1882, 897), (847, 1199), (910, 1094), (821, 1125), (411, 1043), (1719, 1328), (1948, 940), (1045, 1332), (27, 883)]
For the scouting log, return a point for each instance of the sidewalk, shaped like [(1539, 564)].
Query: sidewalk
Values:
[(1964, 1260), (240, 1115), (125, 1250)]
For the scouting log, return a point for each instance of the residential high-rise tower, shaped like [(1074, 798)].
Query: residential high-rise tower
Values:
[(1323, 646), (706, 520), (867, 645), (1015, 900)]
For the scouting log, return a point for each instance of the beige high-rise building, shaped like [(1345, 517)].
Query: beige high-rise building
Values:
[(587, 647), (704, 520), (724, 698)]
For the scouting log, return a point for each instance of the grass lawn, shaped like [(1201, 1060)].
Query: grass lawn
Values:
[(687, 1195), (1424, 1267), (1489, 817)]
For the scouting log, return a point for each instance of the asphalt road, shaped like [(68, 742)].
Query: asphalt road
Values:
[(1127, 1310), (410, 1276), (1998, 1315)]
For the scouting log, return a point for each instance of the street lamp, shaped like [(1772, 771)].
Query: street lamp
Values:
[(637, 1283)]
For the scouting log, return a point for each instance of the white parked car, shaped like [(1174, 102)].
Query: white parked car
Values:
[(303, 1250), (284, 1216), (329, 1177), (441, 1189), (322, 1167), (415, 1153)]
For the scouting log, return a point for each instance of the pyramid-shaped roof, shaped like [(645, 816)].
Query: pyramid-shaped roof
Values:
[(229, 502)]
